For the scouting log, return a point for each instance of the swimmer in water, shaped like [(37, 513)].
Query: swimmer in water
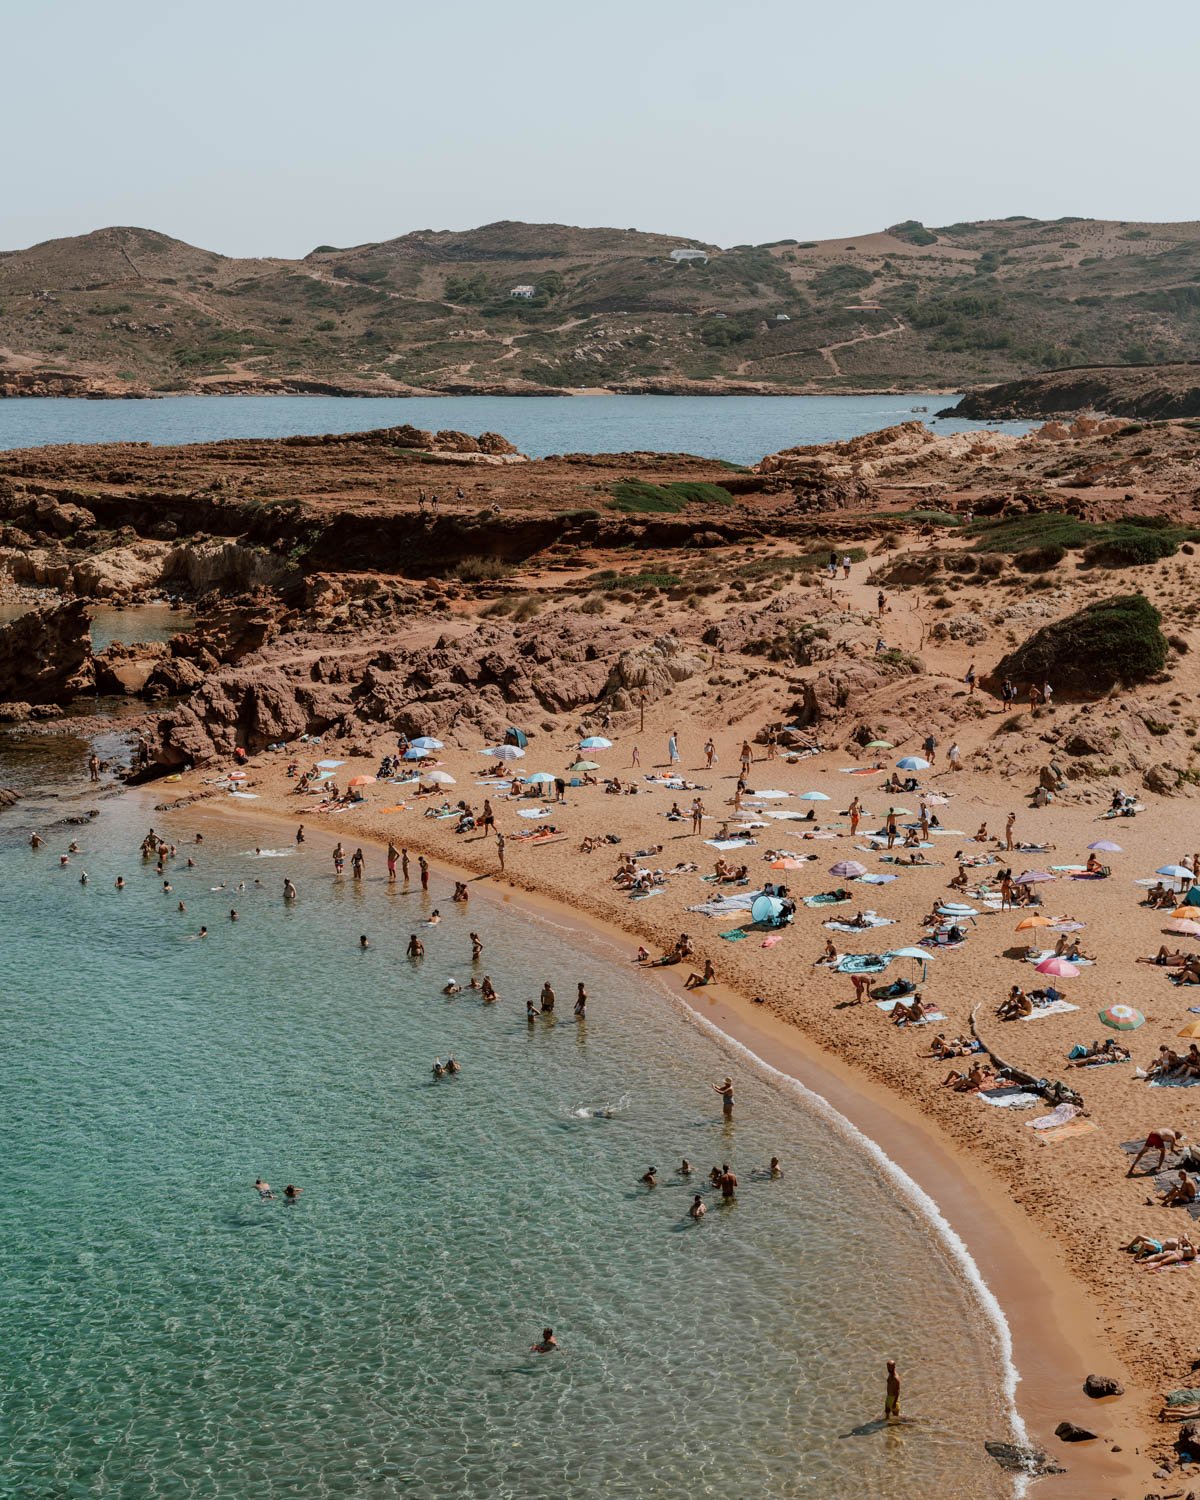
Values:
[(697, 1210), (203, 932), (64, 859), (120, 882), (488, 990), (452, 987), (891, 1399), (650, 1177), (83, 878), (548, 1345), (167, 887), (181, 907), (581, 1002), (36, 841), (452, 1066), (233, 916), (775, 1169), (363, 941), (476, 947), (416, 948), (292, 1193), (531, 1012), (438, 1070), (685, 1168), (289, 890), (433, 918), (264, 1188), (72, 847), (547, 999)]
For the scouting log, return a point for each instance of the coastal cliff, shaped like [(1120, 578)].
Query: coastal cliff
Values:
[(1145, 393)]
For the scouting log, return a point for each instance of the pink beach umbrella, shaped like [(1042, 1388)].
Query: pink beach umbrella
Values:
[(850, 868), (1105, 846), (1185, 926), (1061, 968)]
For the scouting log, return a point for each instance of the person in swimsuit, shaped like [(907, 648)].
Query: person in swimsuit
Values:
[(650, 1177), (489, 991), (292, 1193), (1161, 1141), (263, 1188), (547, 999), (728, 1184), (891, 1399), (581, 1002), (416, 948), (548, 1345), (725, 1089), (697, 1210)]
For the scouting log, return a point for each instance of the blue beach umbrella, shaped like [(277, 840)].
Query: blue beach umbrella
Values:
[(539, 778), (425, 742), (912, 763), (812, 797), (595, 742), (412, 753)]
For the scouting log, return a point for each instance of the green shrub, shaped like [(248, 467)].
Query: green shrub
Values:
[(638, 497), (480, 569), (1040, 559), (1114, 640), (1130, 549), (841, 278), (633, 583)]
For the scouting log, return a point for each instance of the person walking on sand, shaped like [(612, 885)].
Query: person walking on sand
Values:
[(890, 826), (673, 748), (970, 678), (846, 565), (747, 757), (1009, 824), (855, 816), (881, 603), (500, 843), (1047, 693), (891, 1399), (954, 756), (393, 854), (725, 1089), (930, 748), (636, 759), (710, 753)]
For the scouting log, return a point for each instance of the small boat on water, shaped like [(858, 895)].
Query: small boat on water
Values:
[(918, 408)]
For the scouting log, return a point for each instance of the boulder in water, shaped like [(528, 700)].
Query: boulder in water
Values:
[(1020, 1458)]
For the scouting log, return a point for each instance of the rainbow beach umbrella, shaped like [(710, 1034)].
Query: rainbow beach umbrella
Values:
[(1121, 1017)]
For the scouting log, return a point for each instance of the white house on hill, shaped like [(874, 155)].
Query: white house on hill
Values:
[(523, 291), (679, 255)]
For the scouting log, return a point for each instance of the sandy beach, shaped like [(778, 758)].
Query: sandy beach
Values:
[(1043, 1218)]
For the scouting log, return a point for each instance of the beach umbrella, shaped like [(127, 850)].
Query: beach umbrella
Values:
[(787, 862), (443, 778), (1191, 1030), (766, 908), (922, 954), (812, 797), (505, 752), (1033, 877), (912, 763), (1185, 926), (425, 742), (1176, 872), (848, 867), (585, 765), (1105, 846), (1121, 1017), (1035, 921), (236, 776), (595, 742), (1188, 912), (1061, 968), (957, 909), (880, 745), (412, 753), (539, 778), (361, 781)]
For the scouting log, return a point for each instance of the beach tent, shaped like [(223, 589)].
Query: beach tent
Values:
[(766, 908), (515, 736), (1193, 897)]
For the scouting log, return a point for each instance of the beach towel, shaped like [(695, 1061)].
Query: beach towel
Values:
[(861, 770), (860, 963), (330, 765), (872, 921), (769, 942), (1076, 1126), (250, 796), (724, 906), (1172, 1083), (773, 795), (533, 812), (1055, 1008), (735, 936), (645, 895), (1059, 1115), (826, 900), (890, 1005), (1009, 1097), (724, 844), (878, 879), (399, 808)]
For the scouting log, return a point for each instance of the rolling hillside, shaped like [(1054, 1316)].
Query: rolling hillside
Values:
[(125, 309)]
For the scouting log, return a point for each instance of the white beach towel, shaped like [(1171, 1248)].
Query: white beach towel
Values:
[(731, 843), (1055, 1008), (533, 812), (1057, 1116)]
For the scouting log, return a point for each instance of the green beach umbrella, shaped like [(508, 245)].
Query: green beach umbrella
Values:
[(585, 765)]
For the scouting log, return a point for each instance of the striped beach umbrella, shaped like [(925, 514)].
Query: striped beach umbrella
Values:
[(1121, 1017), (850, 868)]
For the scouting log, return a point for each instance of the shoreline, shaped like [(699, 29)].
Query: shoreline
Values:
[(1045, 1330), (421, 394)]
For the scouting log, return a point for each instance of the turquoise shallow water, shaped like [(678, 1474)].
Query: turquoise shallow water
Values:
[(737, 428), (168, 1335)]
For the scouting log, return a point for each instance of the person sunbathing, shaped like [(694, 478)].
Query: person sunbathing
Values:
[(1184, 1252), (694, 981), (859, 919), (676, 813), (1165, 958), (981, 834), (970, 1081), (1155, 895), (1189, 971), (830, 954), (912, 839), (1166, 1065), (959, 1046), (1182, 1192), (960, 881), (905, 1015), (1017, 1006), (1109, 1051), (1190, 1065)]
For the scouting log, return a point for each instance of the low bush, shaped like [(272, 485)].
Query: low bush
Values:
[(637, 497), (1115, 640), (1040, 559), (480, 569)]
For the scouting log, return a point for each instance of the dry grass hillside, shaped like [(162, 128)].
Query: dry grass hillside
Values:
[(127, 309)]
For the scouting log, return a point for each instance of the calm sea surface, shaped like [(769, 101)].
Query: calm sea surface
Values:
[(739, 429), (169, 1335)]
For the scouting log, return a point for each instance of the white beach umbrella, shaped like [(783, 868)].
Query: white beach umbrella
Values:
[(443, 778), (540, 778), (505, 752), (425, 742)]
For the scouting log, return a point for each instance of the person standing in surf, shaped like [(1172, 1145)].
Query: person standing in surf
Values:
[(891, 1400)]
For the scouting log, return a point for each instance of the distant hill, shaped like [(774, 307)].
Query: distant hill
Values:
[(1150, 393), (909, 307)]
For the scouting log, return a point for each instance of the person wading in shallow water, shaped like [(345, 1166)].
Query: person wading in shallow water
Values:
[(891, 1399)]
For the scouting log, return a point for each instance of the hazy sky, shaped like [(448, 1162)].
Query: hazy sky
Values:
[(254, 127)]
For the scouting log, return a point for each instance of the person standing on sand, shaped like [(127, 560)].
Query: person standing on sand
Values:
[(500, 843), (890, 826), (393, 854), (487, 821), (891, 1399), (970, 678), (930, 748), (855, 816), (747, 757), (673, 748), (1009, 824), (954, 756), (423, 864), (637, 759), (697, 815)]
